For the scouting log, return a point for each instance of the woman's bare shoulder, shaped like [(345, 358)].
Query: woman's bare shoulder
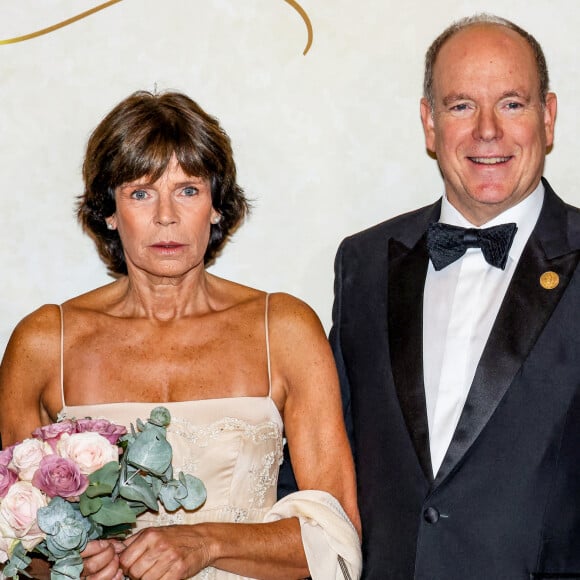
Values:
[(38, 328), (30, 361), (292, 313)]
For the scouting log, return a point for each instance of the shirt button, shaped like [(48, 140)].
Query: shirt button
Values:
[(431, 515)]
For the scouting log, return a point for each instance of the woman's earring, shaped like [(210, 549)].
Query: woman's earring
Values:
[(216, 219), (110, 226)]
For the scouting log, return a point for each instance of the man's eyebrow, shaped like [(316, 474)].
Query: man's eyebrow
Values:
[(518, 94), (454, 97)]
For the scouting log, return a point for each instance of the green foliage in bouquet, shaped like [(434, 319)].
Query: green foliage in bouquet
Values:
[(117, 493)]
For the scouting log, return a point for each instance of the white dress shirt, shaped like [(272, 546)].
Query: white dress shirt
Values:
[(460, 305)]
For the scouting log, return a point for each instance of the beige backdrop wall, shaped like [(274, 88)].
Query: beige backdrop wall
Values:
[(326, 143)]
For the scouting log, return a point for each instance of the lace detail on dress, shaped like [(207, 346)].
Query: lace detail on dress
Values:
[(202, 435), (263, 474), (168, 519), (265, 477)]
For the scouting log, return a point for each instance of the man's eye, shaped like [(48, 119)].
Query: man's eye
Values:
[(514, 106), (459, 108), (189, 191)]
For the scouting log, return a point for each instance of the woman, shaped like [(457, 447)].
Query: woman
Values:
[(235, 367)]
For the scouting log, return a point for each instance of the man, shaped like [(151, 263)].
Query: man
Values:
[(459, 351)]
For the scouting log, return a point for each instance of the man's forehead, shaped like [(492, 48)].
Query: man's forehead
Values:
[(472, 40), (486, 48)]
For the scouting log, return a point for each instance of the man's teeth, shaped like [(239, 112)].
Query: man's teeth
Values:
[(489, 160)]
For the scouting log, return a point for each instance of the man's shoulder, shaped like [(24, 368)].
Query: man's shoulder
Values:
[(407, 226)]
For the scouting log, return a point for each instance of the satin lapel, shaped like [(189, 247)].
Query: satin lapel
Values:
[(525, 311), (407, 271)]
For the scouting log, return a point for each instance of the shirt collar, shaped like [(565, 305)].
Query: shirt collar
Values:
[(525, 215)]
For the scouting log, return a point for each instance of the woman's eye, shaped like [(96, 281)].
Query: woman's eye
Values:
[(139, 194), (189, 191)]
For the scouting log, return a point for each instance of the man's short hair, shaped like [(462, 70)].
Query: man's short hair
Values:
[(483, 18)]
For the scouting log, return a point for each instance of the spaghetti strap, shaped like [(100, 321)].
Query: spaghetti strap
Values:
[(61, 355), (268, 348)]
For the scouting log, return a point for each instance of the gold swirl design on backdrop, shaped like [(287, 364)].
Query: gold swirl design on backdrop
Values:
[(306, 19), (82, 15), (59, 24)]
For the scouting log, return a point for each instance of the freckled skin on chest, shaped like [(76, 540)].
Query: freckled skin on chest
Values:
[(137, 360)]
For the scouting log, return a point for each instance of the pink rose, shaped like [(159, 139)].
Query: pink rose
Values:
[(18, 511), (59, 476), (90, 451), (27, 455), (110, 431), (6, 455), (7, 478), (53, 432)]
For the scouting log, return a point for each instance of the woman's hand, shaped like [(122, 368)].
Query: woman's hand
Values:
[(101, 560), (271, 550), (169, 552)]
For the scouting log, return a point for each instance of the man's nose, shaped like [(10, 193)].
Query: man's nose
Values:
[(487, 126)]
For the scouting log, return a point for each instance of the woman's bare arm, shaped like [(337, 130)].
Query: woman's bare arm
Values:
[(29, 374)]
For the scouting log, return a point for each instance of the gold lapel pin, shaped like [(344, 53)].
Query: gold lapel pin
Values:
[(549, 280)]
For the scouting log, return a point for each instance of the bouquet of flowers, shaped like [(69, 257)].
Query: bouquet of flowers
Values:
[(80, 480)]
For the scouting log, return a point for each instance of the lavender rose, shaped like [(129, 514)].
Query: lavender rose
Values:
[(7, 478), (6, 455), (108, 430), (57, 476), (52, 433)]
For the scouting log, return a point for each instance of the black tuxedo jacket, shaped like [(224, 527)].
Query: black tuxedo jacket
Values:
[(505, 504)]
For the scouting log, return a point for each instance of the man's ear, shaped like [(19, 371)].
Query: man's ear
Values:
[(428, 124), (550, 109)]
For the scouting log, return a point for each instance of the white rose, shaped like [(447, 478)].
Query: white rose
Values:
[(18, 513), (27, 455), (90, 451), (7, 541)]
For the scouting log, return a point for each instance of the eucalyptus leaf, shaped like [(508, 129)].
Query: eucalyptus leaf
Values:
[(90, 505), (114, 513), (68, 567), (50, 516), (167, 496), (160, 416), (155, 483), (71, 534), (150, 452), (17, 563), (134, 487), (98, 490), (42, 549), (106, 476), (195, 492)]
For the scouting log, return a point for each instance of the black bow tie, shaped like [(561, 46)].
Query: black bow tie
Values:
[(448, 243)]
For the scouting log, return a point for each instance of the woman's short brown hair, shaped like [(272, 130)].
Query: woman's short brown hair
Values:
[(138, 138)]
